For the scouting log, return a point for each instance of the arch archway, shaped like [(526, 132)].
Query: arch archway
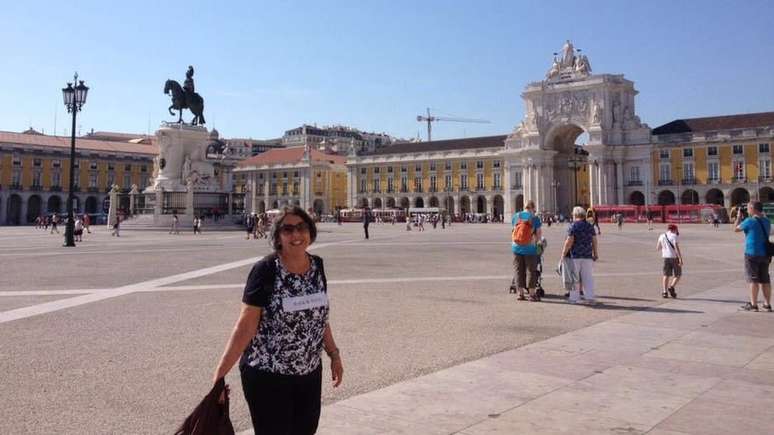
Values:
[(377, 202), (261, 206), (498, 206), (91, 205), (404, 202), (666, 197), (318, 206), (419, 202), (714, 196), (54, 204), (433, 201), (390, 202), (464, 204), (275, 204), (33, 208), (567, 139), (448, 203), (519, 203), (740, 195), (363, 202), (637, 198), (690, 196), (766, 194), (13, 215), (481, 204)]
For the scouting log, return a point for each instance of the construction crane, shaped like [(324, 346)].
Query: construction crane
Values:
[(430, 119)]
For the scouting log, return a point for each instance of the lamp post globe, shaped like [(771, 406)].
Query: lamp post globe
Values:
[(74, 98)]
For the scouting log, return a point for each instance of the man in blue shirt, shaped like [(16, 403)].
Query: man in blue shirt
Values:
[(525, 255), (756, 260)]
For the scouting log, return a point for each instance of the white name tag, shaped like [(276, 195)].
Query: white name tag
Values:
[(306, 302)]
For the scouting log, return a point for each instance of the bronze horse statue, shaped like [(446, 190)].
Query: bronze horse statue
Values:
[(185, 100)]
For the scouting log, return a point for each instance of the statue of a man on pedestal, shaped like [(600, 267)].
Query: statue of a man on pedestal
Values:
[(568, 54)]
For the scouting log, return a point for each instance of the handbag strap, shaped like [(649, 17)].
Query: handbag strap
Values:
[(763, 230), (666, 237)]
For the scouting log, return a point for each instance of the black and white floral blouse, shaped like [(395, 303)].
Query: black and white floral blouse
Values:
[(290, 334)]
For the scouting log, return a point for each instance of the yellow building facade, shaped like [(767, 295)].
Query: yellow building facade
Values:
[(35, 173)]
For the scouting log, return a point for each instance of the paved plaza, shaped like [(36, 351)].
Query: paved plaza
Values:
[(121, 335)]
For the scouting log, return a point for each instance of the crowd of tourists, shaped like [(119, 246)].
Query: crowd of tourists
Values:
[(82, 223)]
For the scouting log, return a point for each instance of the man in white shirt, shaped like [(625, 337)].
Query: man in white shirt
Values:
[(673, 260)]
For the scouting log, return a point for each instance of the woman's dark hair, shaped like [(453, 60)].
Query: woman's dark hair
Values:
[(277, 224)]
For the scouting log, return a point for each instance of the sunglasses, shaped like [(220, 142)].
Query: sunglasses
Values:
[(288, 229)]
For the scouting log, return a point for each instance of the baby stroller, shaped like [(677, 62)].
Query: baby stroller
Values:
[(539, 292)]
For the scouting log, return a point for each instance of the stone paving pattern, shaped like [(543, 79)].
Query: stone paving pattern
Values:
[(411, 312)]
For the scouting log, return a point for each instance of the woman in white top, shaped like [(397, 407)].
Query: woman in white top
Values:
[(673, 260)]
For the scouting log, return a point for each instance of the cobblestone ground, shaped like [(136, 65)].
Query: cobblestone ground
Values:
[(122, 334)]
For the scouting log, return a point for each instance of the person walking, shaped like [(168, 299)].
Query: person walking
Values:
[(649, 217), (619, 220), (87, 222), (197, 222), (78, 230), (525, 235), (282, 330), (581, 246), (366, 220), (756, 230), (175, 222), (673, 260), (54, 223), (116, 226)]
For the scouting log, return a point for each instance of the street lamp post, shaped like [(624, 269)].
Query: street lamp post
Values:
[(74, 99)]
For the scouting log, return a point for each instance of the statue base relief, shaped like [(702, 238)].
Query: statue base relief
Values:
[(182, 159)]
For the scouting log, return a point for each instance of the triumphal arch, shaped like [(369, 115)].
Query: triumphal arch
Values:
[(543, 162)]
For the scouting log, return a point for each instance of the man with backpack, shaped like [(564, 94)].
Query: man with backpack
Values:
[(757, 255), (526, 233)]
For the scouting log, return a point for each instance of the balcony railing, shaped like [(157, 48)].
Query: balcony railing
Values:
[(739, 180), (688, 181), (16, 186), (36, 187), (714, 181), (390, 190), (93, 189), (634, 183), (517, 187), (403, 190), (432, 190), (665, 182), (762, 179), (448, 189), (55, 188)]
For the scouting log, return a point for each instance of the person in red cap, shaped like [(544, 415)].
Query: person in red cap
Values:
[(673, 260)]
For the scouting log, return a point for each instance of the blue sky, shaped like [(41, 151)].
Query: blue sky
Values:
[(264, 67)]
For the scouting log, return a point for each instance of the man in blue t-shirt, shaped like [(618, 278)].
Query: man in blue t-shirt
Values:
[(525, 255), (756, 260)]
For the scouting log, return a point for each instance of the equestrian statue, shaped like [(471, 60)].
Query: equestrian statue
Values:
[(184, 97)]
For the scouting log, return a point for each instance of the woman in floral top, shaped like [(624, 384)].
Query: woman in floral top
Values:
[(282, 330)]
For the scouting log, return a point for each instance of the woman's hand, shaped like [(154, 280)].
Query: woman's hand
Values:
[(337, 370)]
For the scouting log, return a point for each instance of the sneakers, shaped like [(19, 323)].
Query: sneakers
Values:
[(767, 307), (664, 294), (749, 307), (672, 292)]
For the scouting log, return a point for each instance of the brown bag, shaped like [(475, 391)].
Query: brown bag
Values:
[(209, 417)]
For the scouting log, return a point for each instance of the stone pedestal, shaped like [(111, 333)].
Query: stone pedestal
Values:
[(182, 153)]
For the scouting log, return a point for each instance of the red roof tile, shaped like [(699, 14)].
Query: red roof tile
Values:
[(290, 155), (60, 142), (728, 122)]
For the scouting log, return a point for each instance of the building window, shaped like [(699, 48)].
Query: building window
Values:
[(713, 171), (284, 175), (665, 172), (127, 181), (93, 165), (712, 151), (111, 179), (404, 184), (496, 181), (664, 154), (295, 188), (274, 175), (764, 169), (37, 163), (463, 182), (16, 177), (376, 170), (390, 186), (432, 166), (403, 169), (463, 165), (144, 169), (447, 166), (418, 167), (77, 164), (363, 171), (738, 149), (389, 169), (17, 161), (111, 166), (93, 180), (448, 183), (688, 152), (480, 181), (417, 184), (433, 184), (479, 164), (295, 174), (144, 180), (56, 178), (56, 163), (496, 164), (36, 179), (128, 167), (738, 166), (517, 182), (376, 186), (763, 148), (634, 173), (362, 185), (688, 173)]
